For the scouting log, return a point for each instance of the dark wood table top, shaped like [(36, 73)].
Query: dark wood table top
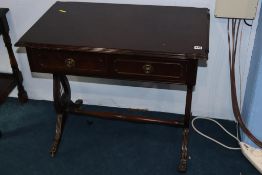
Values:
[(121, 28)]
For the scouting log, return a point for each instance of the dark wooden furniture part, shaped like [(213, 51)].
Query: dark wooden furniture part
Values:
[(9, 81), (129, 42)]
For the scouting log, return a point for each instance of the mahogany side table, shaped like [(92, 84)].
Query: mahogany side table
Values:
[(116, 41)]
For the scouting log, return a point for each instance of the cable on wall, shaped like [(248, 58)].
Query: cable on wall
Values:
[(245, 21), (233, 43), (233, 27)]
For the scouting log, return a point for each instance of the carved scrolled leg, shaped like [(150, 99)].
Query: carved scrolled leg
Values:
[(184, 152), (58, 134), (62, 100), (184, 148)]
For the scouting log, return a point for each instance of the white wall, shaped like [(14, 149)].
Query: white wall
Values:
[(212, 93)]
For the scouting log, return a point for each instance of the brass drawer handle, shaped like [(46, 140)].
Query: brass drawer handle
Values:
[(148, 68), (70, 63)]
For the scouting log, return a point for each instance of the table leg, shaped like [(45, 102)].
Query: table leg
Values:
[(62, 100), (184, 149), (22, 94)]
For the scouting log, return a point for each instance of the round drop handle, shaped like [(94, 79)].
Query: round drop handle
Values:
[(148, 68), (70, 63)]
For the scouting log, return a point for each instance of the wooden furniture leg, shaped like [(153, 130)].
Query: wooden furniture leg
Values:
[(184, 149), (22, 94), (62, 101)]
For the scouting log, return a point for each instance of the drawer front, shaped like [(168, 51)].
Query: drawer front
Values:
[(146, 69), (66, 62)]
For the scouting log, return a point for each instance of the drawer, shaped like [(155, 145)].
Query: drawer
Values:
[(147, 69), (66, 62)]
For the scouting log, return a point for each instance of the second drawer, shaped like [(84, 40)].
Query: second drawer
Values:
[(151, 70)]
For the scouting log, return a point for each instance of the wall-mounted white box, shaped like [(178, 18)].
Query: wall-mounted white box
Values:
[(244, 9)]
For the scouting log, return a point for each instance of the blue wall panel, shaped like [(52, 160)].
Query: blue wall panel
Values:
[(252, 108)]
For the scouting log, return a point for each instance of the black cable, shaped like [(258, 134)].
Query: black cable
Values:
[(245, 21)]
